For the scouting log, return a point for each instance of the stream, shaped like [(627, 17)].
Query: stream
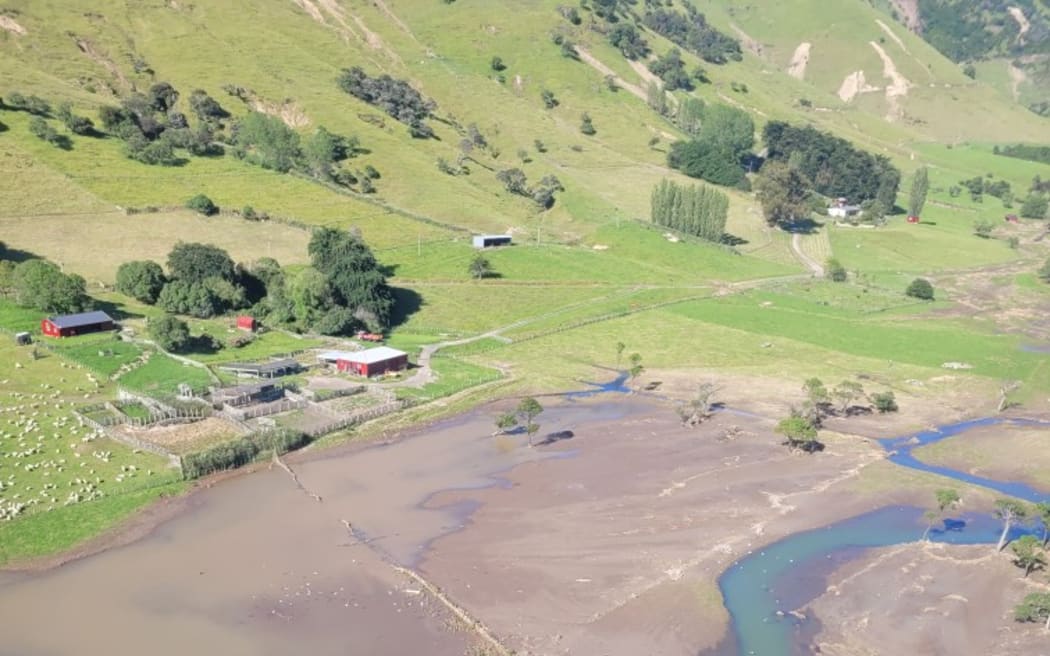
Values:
[(762, 589)]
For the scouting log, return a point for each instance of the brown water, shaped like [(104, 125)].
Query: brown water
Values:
[(257, 566)]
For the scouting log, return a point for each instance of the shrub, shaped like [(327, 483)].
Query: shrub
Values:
[(884, 402), (497, 64), (1044, 271), (202, 205), (549, 101), (920, 288), (835, 271), (169, 332), (586, 126)]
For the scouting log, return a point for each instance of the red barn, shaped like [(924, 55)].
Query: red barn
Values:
[(372, 362), (246, 323), (68, 325)]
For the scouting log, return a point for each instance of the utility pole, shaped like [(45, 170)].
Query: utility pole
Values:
[(419, 244)]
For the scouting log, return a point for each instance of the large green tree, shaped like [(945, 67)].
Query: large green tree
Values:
[(527, 411), (42, 285), (267, 141), (1028, 554), (782, 191), (194, 262), (1034, 608), (141, 280), (1009, 511), (353, 275), (728, 128), (1035, 206)]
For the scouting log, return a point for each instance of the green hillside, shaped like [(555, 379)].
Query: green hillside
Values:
[(420, 161)]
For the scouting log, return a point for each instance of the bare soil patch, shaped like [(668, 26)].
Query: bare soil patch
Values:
[(853, 85), (927, 599), (797, 67), (909, 11), (11, 25), (184, 438), (898, 86)]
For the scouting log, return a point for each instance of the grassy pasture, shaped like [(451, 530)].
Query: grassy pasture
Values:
[(57, 468), (161, 375)]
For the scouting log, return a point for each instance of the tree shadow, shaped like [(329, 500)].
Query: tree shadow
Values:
[(62, 141), (388, 270), (732, 240), (551, 438), (811, 446), (805, 226), (203, 344), (406, 303), (116, 310), (17, 255), (858, 411)]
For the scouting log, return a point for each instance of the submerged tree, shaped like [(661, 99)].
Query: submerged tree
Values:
[(505, 422), (698, 409), (1009, 511), (800, 432), (947, 499), (636, 366), (527, 411)]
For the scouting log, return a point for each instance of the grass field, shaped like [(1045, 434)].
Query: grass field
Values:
[(104, 355), (51, 466), (161, 375)]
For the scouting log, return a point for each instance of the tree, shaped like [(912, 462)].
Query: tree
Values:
[(266, 141), (698, 409), (141, 280), (834, 270), (947, 498), (983, 228), (846, 392), (920, 185), (195, 262), (697, 210), (656, 97), (42, 130), (40, 284), (1006, 387), (480, 267), (1009, 511), (727, 128), (816, 393), (549, 101), (1034, 206), (884, 402), (396, 97), (586, 126), (195, 299), (1028, 554), (496, 64), (921, 289), (505, 422), (630, 42), (636, 366), (801, 434), (514, 181), (1042, 510), (75, 124), (527, 411), (169, 332), (620, 346), (707, 160), (671, 70), (783, 193), (353, 276), (201, 204), (1034, 608), (205, 107)]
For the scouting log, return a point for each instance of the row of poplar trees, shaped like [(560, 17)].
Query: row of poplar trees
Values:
[(697, 210)]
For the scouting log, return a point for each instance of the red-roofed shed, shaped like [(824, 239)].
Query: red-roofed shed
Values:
[(246, 323)]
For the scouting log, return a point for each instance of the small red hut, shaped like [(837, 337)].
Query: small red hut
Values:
[(246, 323)]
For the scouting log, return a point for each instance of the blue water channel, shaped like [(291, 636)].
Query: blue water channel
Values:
[(761, 589)]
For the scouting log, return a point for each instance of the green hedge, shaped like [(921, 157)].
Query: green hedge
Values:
[(239, 452)]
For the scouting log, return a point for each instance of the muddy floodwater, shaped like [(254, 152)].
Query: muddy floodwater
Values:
[(257, 565)]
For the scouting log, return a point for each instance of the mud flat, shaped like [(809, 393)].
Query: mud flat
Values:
[(926, 599)]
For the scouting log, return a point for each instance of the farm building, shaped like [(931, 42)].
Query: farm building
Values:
[(842, 209), (370, 362), (246, 394), (246, 323), (68, 325), (271, 369), (488, 241)]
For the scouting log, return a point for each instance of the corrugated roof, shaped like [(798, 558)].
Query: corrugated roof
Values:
[(373, 355), (82, 319), (333, 356), (261, 367)]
